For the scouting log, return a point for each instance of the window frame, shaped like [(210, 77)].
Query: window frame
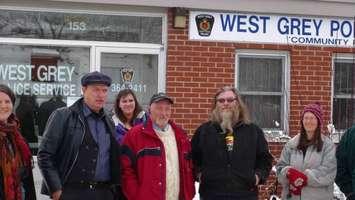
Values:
[(338, 133), (285, 94), (94, 45)]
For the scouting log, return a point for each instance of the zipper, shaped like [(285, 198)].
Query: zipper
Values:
[(77, 154), (162, 172), (152, 148)]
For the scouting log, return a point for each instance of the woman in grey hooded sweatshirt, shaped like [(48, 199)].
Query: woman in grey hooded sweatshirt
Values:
[(307, 166)]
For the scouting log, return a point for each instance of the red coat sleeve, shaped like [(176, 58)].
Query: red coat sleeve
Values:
[(129, 173)]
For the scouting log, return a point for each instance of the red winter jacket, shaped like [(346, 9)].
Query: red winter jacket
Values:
[(143, 164)]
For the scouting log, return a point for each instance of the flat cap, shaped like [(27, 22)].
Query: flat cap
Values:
[(95, 78), (159, 97)]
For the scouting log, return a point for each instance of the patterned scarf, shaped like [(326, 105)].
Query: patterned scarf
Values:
[(14, 153)]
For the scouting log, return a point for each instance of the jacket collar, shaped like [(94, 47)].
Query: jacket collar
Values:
[(293, 142), (77, 108), (218, 127), (149, 130)]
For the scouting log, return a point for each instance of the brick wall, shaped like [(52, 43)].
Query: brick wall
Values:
[(195, 70)]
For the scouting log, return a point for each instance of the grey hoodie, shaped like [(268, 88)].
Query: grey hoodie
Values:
[(319, 167)]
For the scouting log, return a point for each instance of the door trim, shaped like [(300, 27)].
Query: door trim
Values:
[(133, 49)]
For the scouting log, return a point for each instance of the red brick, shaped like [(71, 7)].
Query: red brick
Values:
[(306, 73), (208, 74), (197, 89), (193, 64), (323, 53), (199, 49), (230, 60), (298, 58), (183, 68), (200, 69), (176, 42), (191, 95), (215, 60), (183, 79), (299, 77), (194, 43), (206, 66), (182, 37), (194, 53), (208, 44), (199, 79), (224, 44), (175, 73), (198, 59), (255, 46), (189, 84), (175, 53), (305, 53), (216, 49), (183, 58), (184, 48)]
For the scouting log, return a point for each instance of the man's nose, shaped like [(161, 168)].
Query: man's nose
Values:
[(102, 94)]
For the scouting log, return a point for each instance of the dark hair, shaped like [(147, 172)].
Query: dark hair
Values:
[(5, 89), (118, 110), (316, 141)]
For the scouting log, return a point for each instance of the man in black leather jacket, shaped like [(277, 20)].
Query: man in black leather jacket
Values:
[(78, 156), (230, 153)]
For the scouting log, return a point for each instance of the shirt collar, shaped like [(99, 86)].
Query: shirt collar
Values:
[(87, 112), (156, 127)]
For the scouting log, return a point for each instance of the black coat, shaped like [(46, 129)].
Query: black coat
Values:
[(59, 149), (235, 172), (46, 109)]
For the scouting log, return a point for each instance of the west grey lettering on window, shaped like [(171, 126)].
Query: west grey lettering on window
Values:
[(51, 79)]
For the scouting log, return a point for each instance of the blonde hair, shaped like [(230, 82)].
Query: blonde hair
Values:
[(244, 115)]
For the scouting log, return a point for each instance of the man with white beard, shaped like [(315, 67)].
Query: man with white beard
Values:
[(230, 154)]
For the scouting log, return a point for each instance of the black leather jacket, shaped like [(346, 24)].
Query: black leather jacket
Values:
[(59, 149)]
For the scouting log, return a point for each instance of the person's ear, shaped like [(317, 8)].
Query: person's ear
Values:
[(83, 89)]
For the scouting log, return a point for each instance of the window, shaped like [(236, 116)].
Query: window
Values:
[(138, 72), (75, 26), (43, 78), (47, 52), (261, 80), (343, 112)]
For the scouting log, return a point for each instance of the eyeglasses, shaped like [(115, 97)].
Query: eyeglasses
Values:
[(229, 100)]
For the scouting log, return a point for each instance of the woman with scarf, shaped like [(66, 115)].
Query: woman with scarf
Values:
[(16, 179), (128, 113), (307, 166)]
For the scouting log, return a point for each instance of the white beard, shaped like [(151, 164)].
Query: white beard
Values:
[(226, 122), (225, 118)]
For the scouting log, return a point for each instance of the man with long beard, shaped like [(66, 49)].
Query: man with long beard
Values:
[(230, 154)]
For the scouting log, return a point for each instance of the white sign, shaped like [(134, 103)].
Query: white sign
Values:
[(281, 29)]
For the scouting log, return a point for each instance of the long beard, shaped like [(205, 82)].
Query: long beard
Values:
[(226, 118), (226, 123)]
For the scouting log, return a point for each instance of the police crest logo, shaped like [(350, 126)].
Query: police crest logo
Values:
[(127, 75), (204, 24)]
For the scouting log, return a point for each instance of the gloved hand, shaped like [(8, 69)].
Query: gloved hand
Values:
[(297, 181)]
